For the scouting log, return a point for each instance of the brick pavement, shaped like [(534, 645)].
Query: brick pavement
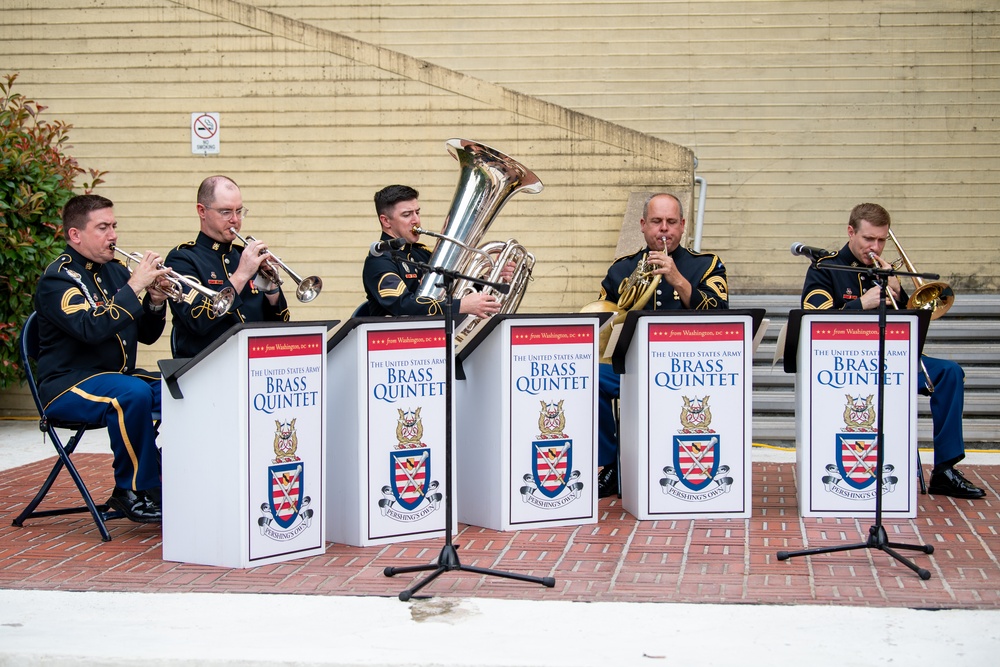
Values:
[(617, 559)]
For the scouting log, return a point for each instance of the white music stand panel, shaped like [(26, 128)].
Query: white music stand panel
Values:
[(527, 416), (386, 401), (686, 416), (836, 417), (243, 446)]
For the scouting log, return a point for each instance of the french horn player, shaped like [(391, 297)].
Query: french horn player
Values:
[(661, 276), (867, 233)]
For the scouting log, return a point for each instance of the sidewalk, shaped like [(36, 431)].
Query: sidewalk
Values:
[(247, 618)]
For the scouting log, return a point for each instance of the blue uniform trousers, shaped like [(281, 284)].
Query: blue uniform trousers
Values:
[(125, 405), (947, 403), (607, 429)]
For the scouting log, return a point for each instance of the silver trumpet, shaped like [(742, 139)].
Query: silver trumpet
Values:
[(307, 288), (220, 302)]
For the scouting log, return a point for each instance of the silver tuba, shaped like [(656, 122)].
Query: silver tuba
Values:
[(487, 180)]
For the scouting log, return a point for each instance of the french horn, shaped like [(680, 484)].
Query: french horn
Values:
[(634, 293)]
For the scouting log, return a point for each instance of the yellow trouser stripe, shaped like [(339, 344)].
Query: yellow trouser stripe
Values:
[(121, 426)]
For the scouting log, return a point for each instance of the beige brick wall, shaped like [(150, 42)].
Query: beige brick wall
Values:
[(312, 124), (796, 111)]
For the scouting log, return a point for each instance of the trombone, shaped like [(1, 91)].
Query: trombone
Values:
[(220, 302), (936, 297), (307, 288)]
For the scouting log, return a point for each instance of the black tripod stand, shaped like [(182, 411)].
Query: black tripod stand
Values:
[(877, 537), (448, 559)]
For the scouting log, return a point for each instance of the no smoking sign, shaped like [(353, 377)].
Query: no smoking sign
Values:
[(205, 133)]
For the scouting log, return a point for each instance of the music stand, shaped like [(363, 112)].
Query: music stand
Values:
[(448, 560), (877, 537)]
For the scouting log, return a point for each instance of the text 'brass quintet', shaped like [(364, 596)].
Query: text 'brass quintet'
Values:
[(488, 178)]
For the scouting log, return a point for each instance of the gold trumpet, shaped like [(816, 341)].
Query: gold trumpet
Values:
[(306, 289), (220, 302)]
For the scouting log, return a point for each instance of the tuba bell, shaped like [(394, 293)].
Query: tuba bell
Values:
[(487, 179)]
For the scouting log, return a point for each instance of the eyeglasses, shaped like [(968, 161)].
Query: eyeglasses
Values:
[(228, 213)]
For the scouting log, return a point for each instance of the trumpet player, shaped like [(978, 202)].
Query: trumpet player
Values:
[(687, 281), (391, 279), (216, 262), (867, 231), (91, 316)]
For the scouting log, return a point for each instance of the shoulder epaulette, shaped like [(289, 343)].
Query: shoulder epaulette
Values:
[(628, 256), (59, 262)]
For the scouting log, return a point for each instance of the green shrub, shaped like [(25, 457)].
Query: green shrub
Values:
[(36, 180)]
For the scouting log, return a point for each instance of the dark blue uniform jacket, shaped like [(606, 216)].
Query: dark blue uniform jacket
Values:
[(705, 272), (391, 281), (211, 263), (89, 322)]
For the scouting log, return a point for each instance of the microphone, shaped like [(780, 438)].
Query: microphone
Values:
[(809, 251), (380, 247)]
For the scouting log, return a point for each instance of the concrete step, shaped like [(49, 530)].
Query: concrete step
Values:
[(783, 403), (780, 431), (968, 334)]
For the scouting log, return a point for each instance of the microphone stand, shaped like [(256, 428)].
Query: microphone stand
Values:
[(448, 560), (877, 537)]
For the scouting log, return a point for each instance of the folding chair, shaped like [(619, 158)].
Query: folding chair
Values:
[(362, 310), (101, 513)]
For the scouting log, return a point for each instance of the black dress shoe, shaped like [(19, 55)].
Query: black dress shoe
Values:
[(607, 481), (154, 500), (950, 482), (134, 505)]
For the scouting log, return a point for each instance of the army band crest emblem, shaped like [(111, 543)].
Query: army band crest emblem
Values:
[(552, 482), (695, 473), (854, 473), (286, 512), (411, 493)]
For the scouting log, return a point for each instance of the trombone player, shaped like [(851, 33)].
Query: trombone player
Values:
[(213, 260), (675, 279), (867, 231), (91, 316)]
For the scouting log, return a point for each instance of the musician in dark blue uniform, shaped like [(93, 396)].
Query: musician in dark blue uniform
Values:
[(90, 319), (390, 277), (867, 231), (688, 281), (216, 262)]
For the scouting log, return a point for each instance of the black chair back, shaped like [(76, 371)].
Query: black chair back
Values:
[(29, 352)]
